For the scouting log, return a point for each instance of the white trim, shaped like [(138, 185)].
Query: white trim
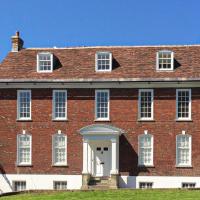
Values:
[(38, 67), (39, 181), (152, 148), (106, 84), (53, 106), (18, 105), (190, 105), (100, 129), (107, 118), (152, 104), (190, 151), (172, 60), (158, 181), (53, 150), (24, 164), (110, 61)]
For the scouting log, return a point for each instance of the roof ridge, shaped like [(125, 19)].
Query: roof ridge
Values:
[(90, 47)]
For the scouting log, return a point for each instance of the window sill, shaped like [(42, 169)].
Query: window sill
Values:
[(164, 70), (59, 120), (146, 166), (146, 120), (102, 120), (48, 71), (24, 120), (60, 165), (184, 166), (183, 120), (99, 71), (24, 165)]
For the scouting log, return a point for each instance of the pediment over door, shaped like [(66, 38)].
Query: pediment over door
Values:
[(100, 129)]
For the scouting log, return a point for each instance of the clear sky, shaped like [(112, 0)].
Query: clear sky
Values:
[(48, 23)]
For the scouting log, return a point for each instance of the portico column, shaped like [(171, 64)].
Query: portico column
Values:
[(85, 156), (115, 156), (85, 173)]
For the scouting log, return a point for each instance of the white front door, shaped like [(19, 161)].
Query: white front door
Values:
[(102, 160)]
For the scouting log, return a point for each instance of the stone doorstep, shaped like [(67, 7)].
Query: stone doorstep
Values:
[(89, 182)]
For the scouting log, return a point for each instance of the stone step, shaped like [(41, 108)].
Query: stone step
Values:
[(98, 183), (98, 187)]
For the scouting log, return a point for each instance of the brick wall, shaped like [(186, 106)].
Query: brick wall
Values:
[(123, 114)]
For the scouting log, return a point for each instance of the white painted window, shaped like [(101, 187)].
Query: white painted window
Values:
[(183, 104), (24, 148), (24, 104), (188, 185), (60, 185), (145, 185), (103, 61), (145, 150), (102, 104), (59, 104), (146, 104), (165, 60), (183, 150), (44, 62), (59, 149), (19, 185)]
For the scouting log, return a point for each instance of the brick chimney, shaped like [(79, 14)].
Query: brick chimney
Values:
[(17, 42)]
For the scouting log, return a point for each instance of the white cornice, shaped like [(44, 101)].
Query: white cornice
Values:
[(102, 84)]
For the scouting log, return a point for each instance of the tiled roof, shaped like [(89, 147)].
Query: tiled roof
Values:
[(128, 62)]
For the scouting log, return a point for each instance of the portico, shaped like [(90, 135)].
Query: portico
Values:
[(100, 152)]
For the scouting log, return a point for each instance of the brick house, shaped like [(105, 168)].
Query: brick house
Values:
[(125, 115)]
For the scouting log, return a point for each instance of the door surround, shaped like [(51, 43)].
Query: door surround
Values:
[(100, 132)]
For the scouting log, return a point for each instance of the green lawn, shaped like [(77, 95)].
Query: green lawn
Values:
[(112, 194)]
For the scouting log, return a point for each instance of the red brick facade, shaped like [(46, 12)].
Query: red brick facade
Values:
[(80, 109), (92, 144)]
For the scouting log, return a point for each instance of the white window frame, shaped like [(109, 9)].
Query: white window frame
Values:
[(96, 62), (190, 151), (60, 182), (190, 106), (18, 105), (151, 164), (53, 106), (189, 184), (152, 104), (172, 60), (96, 117), (38, 63), (18, 181), (145, 184), (53, 150), (18, 152)]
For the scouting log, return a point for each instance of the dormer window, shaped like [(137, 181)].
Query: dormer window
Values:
[(45, 62), (165, 60), (103, 61)]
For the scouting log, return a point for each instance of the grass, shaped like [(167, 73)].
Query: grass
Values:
[(110, 194)]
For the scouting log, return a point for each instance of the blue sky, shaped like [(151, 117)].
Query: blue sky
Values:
[(48, 23)]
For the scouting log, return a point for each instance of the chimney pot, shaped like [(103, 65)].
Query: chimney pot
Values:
[(17, 33), (17, 42)]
